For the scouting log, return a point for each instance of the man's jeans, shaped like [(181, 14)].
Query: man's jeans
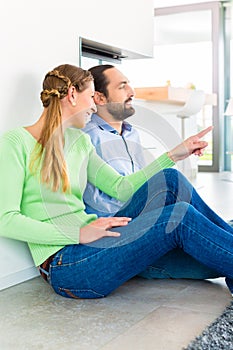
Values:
[(170, 222)]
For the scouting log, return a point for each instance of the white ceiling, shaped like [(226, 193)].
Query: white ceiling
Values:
[(183, 27), (166, 3)]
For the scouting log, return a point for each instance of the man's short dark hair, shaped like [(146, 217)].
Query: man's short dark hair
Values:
[(100, 80)]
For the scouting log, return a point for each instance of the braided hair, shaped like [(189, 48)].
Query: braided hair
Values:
[(49, 150)]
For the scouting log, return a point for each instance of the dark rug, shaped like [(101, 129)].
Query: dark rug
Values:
[(218, 336)]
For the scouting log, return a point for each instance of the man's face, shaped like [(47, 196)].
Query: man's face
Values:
[(120, 95)]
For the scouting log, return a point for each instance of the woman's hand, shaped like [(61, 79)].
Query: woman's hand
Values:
[(99, 228), (192, 145)]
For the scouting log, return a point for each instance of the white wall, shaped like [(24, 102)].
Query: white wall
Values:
[(160, 120), (36, 36)]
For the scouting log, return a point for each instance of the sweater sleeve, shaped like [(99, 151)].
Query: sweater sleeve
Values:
[(13, 224), (111, 182)]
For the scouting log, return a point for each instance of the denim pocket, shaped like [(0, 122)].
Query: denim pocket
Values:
[(78, 293), (72, 274)]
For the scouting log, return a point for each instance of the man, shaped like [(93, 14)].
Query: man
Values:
[(118, 143)]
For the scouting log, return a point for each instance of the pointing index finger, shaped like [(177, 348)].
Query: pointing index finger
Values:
[(204, 132)]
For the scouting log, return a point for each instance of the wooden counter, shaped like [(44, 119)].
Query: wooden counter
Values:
[(170, 94)]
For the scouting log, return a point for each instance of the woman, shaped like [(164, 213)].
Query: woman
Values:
[(46, 167)]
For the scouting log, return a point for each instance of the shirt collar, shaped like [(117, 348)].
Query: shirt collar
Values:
[(105, 126)]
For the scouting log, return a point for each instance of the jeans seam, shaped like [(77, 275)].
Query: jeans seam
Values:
[(207, 239), (60, 262), (159, 269)]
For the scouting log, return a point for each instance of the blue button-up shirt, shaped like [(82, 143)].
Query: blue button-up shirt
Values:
[(123, 152)]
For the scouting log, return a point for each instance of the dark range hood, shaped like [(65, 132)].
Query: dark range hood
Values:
[(93, 49)]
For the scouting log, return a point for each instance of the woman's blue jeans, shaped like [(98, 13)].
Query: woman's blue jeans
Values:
[(168, 216)]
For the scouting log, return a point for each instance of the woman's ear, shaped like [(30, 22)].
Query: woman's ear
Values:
[(99, 98), (72, 95)]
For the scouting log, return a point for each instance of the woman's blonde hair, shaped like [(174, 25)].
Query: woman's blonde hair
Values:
[(50, 147)]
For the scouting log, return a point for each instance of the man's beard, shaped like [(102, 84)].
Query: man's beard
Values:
[(120, 111)]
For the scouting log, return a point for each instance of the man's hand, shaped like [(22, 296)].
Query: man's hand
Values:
[(192, 145), (99, 228)]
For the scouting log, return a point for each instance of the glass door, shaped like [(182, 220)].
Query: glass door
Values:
[(228, 159), (184, 50), (189, 53)]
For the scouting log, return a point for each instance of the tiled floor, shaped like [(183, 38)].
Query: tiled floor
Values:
[(140, 315)]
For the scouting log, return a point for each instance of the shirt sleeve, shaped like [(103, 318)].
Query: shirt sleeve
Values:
[(12, 223), (109, 181)]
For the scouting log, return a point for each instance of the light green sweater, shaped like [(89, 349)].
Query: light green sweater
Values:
[(47, 220)]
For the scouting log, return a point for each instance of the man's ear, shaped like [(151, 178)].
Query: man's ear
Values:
[(99, 98)]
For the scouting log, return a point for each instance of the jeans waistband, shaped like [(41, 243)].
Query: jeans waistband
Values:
[(44, 267)]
